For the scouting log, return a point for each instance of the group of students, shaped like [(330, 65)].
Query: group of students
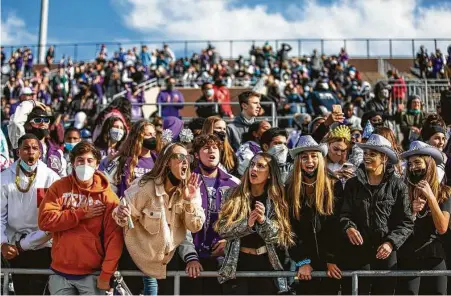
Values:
[(226, 198)]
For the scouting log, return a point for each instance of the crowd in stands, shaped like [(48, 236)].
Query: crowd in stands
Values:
[(330, 188), (434, 65)]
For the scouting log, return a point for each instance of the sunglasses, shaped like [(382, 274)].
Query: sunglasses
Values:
[(356, 135), (183, 157), (39, 120)]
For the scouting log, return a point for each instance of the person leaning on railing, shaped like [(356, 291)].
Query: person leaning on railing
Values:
[(255, 222), (431, 206)]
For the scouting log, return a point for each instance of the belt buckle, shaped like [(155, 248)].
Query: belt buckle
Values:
[(260, 250)]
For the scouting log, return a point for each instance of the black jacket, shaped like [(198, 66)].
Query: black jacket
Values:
[(382, 216), (323, 245), (206, 111)]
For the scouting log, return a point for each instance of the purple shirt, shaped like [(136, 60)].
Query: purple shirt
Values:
[(139, 99), (30, 60), (144, 165), (166, 96), (211, 203)]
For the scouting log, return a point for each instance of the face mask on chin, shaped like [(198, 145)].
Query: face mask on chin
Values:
[(28, 168), (310, 175)]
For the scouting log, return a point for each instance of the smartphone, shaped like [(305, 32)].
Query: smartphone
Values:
[(337, 109)]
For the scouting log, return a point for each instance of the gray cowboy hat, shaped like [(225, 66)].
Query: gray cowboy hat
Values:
[(421, 148), (381, 144), (307, 143)]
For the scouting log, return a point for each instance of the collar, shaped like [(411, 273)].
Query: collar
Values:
[(222, 175), (159, 187)]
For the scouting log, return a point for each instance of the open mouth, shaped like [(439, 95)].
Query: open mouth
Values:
[(310, 168), (254, 175), (184, 170), (212, 157), (30, 161)]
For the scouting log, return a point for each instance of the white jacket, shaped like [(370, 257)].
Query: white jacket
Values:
[(19, 211)]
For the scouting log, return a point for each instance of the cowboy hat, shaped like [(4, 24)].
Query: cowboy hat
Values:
[(307, 143), (421, 148), (380, 144)]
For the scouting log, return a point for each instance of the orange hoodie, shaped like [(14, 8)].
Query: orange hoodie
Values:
[(82, 246)]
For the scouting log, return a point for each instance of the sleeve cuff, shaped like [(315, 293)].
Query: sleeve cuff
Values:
[(191, 257), (105, 276)]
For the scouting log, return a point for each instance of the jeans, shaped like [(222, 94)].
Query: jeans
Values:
[(150, 286), (59, 285)]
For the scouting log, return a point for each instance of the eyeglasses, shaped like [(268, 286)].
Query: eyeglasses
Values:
[(259, 166), (356, 135), (183, 157), (39, 120)]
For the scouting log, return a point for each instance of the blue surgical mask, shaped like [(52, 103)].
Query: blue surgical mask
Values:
[(27, 167), (210, 92), (69, 146)]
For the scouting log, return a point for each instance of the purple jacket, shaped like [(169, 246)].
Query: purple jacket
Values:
[(54, 159), (166, 96), (207, 237)]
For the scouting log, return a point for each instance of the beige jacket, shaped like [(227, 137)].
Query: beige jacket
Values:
[(160, 225)]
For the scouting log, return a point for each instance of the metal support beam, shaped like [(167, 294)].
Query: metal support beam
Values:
[(43, 30)]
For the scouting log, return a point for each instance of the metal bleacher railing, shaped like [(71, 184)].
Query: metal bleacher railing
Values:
[(289, 274), (357, 47)]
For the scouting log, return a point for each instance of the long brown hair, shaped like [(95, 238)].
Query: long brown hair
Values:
[(238, 206), (131, 148), (442, 192), (324, 197), (390, 136), (227, 155), (162, 169)]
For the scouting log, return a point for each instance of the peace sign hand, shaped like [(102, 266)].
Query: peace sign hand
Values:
[(193, 184)]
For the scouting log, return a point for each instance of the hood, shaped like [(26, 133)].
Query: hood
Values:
[(100, 184), (241, 120), (174, 124)]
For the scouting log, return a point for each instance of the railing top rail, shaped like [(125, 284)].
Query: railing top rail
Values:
[(229, 40)]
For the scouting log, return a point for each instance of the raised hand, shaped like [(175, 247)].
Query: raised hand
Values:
[(193, 184)]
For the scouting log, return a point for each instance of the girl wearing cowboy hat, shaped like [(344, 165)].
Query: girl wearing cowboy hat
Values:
[(424, 249), (376, 216), (313, 204)]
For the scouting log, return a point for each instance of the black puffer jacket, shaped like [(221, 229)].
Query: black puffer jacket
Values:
[(382, 216)]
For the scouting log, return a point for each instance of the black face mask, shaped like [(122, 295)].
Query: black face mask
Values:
[(150, 143), (173, 179), (170, 87), (310, 175), (40, 133), (221, 135), (417, 175), (378, 124)]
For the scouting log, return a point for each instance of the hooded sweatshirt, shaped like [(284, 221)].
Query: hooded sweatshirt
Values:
[(236, 129), (81, 247)]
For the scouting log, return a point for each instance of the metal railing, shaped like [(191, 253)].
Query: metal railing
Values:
[(179, 274), (357, 47), (146, 84)]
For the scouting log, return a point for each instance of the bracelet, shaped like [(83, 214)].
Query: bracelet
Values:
[(303, 262)]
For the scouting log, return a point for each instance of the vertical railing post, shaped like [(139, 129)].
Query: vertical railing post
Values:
[(159, 110), (322, 46), (299, 47), (231, 49), (5, 283), (413, 49), (274, 115), (355, 284), (435, 44), (186, 48), (344, 44), (391, 48), (217, 107), (426, 94), (177, 283), (277, 45), (368, 48)]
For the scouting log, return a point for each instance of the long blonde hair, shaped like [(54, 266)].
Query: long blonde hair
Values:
[(442, 192), (324, 197), (131, 148), (238, 206), (161, 169), (227, 155)]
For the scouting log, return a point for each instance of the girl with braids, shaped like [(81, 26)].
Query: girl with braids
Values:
[(111, 137), (215, 125), (431, 205), (159, 209), (254, 220), (134, 159), (314, 212)]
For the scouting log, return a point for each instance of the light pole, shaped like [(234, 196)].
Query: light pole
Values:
[(43, 30)]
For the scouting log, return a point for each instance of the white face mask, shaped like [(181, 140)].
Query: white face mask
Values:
[(116, 134), (280, 152), (84, 172), (210, 92)]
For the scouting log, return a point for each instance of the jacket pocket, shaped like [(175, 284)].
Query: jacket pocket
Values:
[(178, 215), (151, 221)]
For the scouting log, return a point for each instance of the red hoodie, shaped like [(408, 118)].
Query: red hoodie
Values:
[(81, 247)]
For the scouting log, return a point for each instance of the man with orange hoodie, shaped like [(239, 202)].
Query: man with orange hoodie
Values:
[(77, 210)]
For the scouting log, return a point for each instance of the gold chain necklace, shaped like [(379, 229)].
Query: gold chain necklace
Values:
[(18, 180)]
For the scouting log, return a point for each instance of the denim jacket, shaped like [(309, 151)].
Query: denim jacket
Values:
[(233, 234)]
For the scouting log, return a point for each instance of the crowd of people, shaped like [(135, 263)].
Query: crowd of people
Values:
[(337, 193), (435, 65)]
